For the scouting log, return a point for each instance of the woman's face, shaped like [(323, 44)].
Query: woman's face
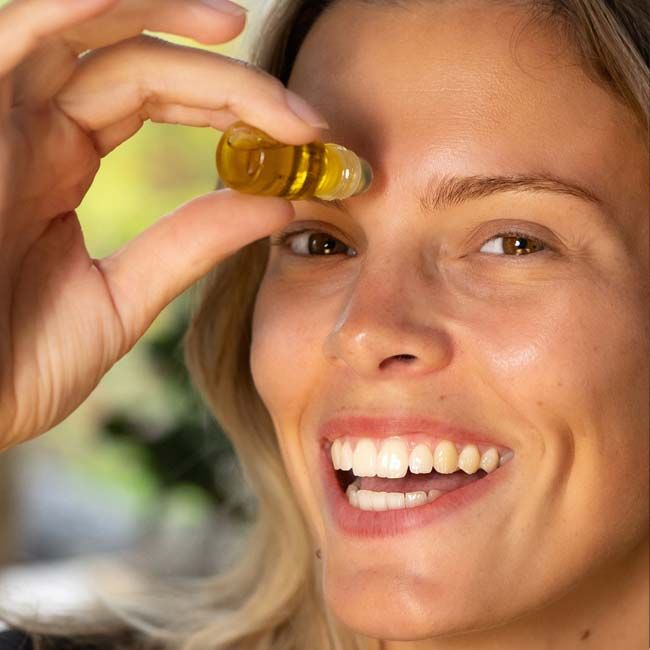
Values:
[(544, 352)]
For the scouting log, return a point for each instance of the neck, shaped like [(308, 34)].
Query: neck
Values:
[(607, 610)]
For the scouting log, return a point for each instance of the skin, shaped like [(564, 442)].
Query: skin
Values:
[(549, 349)]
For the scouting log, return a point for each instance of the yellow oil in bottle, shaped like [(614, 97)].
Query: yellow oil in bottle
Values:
[(251, 161)]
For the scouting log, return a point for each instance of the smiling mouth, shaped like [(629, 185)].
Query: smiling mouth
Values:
[(407, 471)]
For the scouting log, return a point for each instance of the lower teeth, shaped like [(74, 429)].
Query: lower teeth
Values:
[(370, 500)]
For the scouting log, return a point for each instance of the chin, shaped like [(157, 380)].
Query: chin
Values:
[(397, 608)]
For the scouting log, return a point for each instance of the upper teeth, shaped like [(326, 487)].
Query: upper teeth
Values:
[(393, 457)]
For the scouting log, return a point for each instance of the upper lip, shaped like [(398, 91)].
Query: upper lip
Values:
[(372, 426)]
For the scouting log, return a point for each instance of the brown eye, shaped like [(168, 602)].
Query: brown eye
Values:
[(320, 243), (512, 244), (312, 243)]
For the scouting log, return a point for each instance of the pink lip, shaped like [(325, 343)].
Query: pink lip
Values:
[(382, 427)]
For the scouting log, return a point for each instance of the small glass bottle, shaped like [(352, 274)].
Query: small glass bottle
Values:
[(251, 161)]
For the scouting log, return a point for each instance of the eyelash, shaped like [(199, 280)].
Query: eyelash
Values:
[(283, 238)]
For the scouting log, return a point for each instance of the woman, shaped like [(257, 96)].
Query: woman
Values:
[(489, 292)]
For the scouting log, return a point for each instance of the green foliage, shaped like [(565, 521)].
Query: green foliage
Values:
[(188, 451)]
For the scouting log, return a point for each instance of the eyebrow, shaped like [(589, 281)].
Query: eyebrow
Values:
[(450, 191)]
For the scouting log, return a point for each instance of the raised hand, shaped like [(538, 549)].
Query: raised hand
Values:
[(77, 78)]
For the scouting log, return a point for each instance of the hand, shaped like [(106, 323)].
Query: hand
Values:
[(66, 318)]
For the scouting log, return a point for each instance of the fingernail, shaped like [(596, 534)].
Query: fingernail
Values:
[(226, 7), (305, 112)]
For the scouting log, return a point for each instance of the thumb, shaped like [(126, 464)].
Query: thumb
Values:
[(152, 269)]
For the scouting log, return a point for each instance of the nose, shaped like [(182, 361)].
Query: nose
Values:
[(386, 329)]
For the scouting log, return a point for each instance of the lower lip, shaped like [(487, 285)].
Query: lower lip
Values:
[(388, 523)]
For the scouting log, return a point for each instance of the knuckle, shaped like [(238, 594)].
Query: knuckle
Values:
[(272, 84)]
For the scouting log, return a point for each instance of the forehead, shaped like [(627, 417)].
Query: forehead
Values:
[(467, 87)]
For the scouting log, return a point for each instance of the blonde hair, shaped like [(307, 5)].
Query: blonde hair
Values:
[(271, 599)]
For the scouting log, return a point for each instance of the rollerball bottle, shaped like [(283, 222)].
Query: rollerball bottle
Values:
[(251, 161)]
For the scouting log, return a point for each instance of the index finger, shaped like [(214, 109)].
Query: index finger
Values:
[(121, 82)]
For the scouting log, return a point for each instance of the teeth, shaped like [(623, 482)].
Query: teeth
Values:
[(365, 500), (490, 460), (353, 495), (345, 459), (396, 456), (395, 500), (364, 461), (392, 461), (335, 451), (371, 500), (506, 457), (378, 500), (421, 459), (470, 459), (412, 499), (445, 457)]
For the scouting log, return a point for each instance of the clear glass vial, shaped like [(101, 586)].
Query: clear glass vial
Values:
[(251, 161)]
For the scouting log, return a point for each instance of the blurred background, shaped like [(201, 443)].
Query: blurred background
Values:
[(140, 465)]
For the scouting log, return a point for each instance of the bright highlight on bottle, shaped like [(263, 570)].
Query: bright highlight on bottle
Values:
[(251, 161)]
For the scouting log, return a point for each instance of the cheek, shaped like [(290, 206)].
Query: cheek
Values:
[(576, 350), (287, 365), (286, 348), (571, 365)]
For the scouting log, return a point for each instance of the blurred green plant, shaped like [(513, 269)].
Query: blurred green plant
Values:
[(189, 450)]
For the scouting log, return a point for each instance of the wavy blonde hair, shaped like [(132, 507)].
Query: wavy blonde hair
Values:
[(271, 598)]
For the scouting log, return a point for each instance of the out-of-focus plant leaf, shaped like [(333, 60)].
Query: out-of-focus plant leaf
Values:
[(191, 449)]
